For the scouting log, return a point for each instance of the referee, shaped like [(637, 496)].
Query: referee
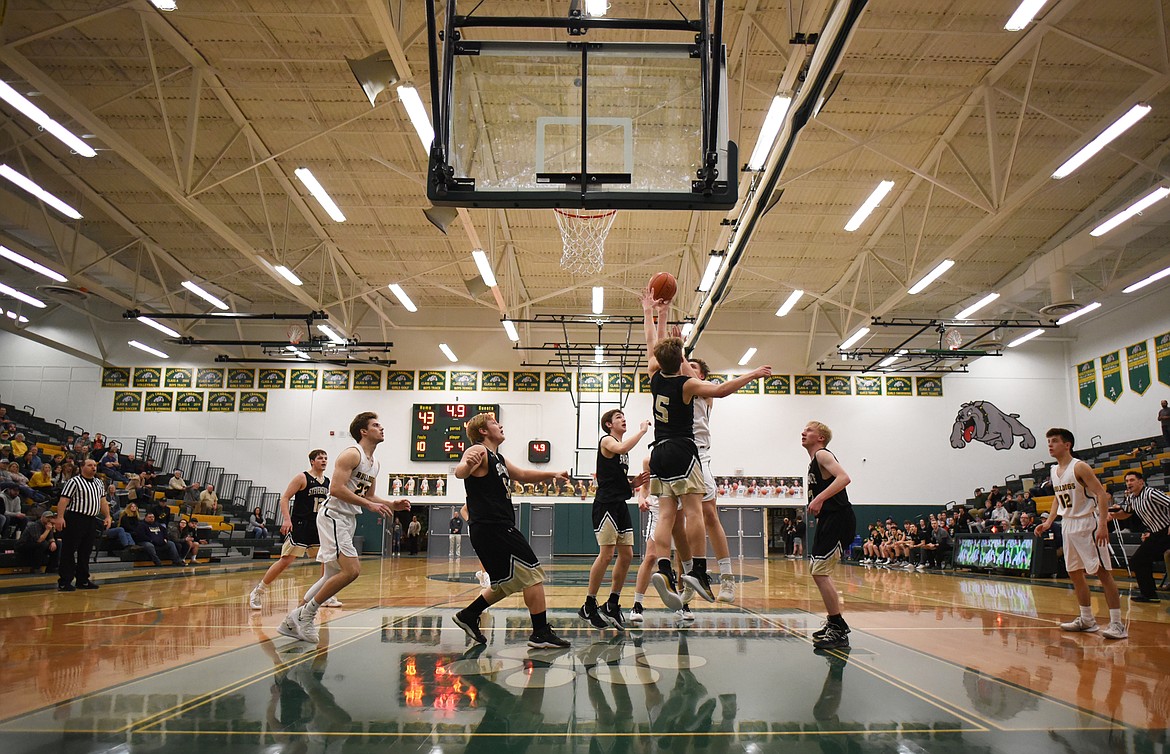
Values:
[(1153, 509), (82, 500)]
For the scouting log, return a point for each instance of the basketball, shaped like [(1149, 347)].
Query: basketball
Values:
[(663, 286)]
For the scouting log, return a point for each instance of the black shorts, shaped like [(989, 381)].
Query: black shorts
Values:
[(834, 529), (675, 468), (507, 557), (304, 532)]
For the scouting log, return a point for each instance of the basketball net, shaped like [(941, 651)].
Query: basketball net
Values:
[(583, 233)]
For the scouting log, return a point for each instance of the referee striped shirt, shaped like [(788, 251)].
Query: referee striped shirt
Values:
[(1151, 506), (85, 495)]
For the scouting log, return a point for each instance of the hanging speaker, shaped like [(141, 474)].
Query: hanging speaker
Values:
[(375, 73), (441, 217)]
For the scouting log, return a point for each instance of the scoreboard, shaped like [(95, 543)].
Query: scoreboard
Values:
[(436, 429)]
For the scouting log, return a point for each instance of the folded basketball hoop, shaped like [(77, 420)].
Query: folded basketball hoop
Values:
[(583, 233)]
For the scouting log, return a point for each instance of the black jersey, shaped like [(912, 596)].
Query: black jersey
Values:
[(613, 478), (306, 502), (673, 417), (817, 485), (489, 497)]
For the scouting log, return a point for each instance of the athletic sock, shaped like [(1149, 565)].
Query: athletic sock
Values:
[(724, 566), (615, 598), (638, 598), (700, 566), (591, 599), (311, 607), (539, 621), (1087, 613), (261, 587), (839, 621), (476, 607), (1115, 615), (689, 565)]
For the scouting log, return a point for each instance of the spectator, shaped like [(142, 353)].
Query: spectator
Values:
[(412, 534), (38, 546), (12, 509), (151, 536), (42, 479), (127, 523), (1000, 516), (1026, 524), (133, 465), (396, 539), (209, 501), (798, 537), (257, 528), (33, 460), (111, 466), (187, 536), (13, 478), (18, 445), (1164, 418), (68, 471), (176, 482), (82, 444), (995, 495), (940, 554), (133, 489)]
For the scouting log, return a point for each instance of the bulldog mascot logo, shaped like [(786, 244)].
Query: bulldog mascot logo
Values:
[(982, 421)]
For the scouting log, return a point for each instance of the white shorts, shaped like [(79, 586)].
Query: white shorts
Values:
[(651, 520), (1081, 551), (708, 477), (336, 532)]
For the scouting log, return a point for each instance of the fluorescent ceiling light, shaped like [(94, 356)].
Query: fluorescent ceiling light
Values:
[(148, 349), (789, 303), (596, 7), (165, 5), (159, 326), (417, 112), (38, 116), (1120, 126), (747, 356), (598, 354), (1024, 14), (448, 352), (1143, 283), (39, 192), (768, 132), (291, 348), (931, 276), (1025, 338), (510, 328), (21, 296), (687, 329), (1136, 208), (598, 299), (305, 176), (288, 274), (854, 338), (204, 295), (1078, 313), (10, 315), (869, 205), (18, 317), (24, 261), (330, 333), (403, 299), (713, 264), (888, 361), (485, 269), (977, 306)]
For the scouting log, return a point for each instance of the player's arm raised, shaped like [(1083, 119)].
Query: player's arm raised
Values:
[(474, 459), (696, 387), (615, 448), (654, 331), (830, 467)]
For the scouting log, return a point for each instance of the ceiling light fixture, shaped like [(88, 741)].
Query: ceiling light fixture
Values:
[(485, 269), (869, 205), (931, 276), (713, 265), (34, 189), (417, 112), (24, 261), (1120, 126), (160, 327), (789, 303), (854, 338), (1146, 281), (330, 333), (598, 354), (448, 352), (888, 361), (977, 306), (38, 116), (218, 304), (1078, 313), (596, 7), (287, 274), (8, 290), (598, 299), (403, 299), (1136, 208), (768, 132), (747, 356), (1025, 338), (510, 328), (305, 176), (1024, 14), (165, 5), (148, 349)]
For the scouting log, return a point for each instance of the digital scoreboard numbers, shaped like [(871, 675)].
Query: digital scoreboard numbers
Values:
[(436, 429)]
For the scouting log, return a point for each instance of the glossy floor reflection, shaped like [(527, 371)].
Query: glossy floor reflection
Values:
[(938, 663)]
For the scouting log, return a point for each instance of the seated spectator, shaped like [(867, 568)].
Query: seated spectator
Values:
[(995, 495), (151, 536), (1000, 516), (82, 444), (111, 466), (67, 472), (32, 461), (176, 482), (18, 445), (257, 528), (187, 536), (133, 489), (208, 501), (42, 479), (38, 547), (13, 478), (939, 553), (127, 522), (13, 509), (1026, 523), (133, 465)]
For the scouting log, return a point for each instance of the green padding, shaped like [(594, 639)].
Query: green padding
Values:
[(573, 529)]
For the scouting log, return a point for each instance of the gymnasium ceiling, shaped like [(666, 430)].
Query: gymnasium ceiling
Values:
[(200, 116)]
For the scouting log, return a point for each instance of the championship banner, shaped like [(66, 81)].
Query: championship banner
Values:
[(209, 378), (717, 378), (868, 385), (897, 385), (127, 400), (838, 385), (494, 382), (752, 388), (1111, 376), (252, 402), (643, 382), (178, 377), (556, 382), (589, 382), (461, 380), (1162, 353), (929, 387), (301, 379), (778, 384), (526, 382), (115, 377), (808, 384), (367, 379), (147, 376), (237, 377), (221, 402), (189, 401), (619, 382), (157, 400), (1087, 383), (1137, 363), (335, 379), (271, 379), (432, 379), (399, 379)]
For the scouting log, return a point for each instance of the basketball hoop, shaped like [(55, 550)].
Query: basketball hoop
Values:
[(583, 233), (295, 334)]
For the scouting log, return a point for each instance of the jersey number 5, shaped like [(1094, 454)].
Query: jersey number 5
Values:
[(660, 408)]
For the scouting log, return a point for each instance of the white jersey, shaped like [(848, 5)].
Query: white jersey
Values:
[(361, 481), (1071, 499), (702, 428)]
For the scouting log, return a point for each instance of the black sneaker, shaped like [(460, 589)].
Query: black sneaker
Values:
[(66, 588), (87, 585), (546, 639), (700, 581), (612, 614), (1143, 598), (820, 632), (834, 638), (470, 626), (589, 612), (664, 582)]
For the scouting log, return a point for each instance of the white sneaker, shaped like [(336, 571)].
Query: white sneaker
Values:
[(726, 588), (1080, 624), (332, 602), (256, 599), (921, 566), (484, 580), (1115, 631), (306, 629), (635, 614), (287, 626), (688, 593)]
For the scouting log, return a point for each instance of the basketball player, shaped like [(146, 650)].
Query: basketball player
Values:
[(504, 552), (649, 503), (836, 526), (1083, 505), (711, 520), (611, 518), (308, 491), (351, 488)]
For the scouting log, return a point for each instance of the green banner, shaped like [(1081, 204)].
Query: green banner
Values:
[(838, 385), (643, 382), (930, 387), (778, 384), (868, 385), (189, 401), (898, 385), (115, 377), (1087, 383), (157, 400), (245, 378), (367, 379), (619, 382), (147, 376), (589, 382), (494, 382), (717, 378), (271, 379), (398, 379), (127, 400), (461, 380), (221, 402), (752, 388), (556, 382), (335, 379), (1111, 376), (252, 402), (178, 377), (432, 379), (808, 384), (1162, 354), (300, 379), (212, 378), (1137, 362), (526, 382)]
